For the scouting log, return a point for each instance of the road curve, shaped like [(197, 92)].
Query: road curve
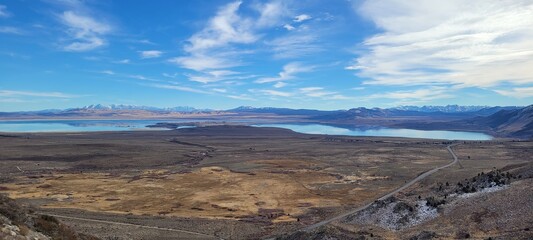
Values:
[(134, 225), (415, 180)]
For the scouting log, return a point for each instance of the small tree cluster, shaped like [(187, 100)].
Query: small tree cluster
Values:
[(434, 202)]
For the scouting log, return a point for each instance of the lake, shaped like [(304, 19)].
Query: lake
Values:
[(76, 125), (128, 125), (380, 132)]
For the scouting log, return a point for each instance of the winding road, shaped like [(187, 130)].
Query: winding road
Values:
[(415, 180), (306, 229)]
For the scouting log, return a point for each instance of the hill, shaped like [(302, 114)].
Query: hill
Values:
[(514, 123), (18, 222)]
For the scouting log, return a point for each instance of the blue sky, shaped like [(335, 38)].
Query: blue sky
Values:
[(334, 54)]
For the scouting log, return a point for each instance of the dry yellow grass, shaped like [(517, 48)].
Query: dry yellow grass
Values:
[(209, 192)]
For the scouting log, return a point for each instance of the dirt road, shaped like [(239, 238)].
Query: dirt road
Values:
[(207, 236), (415, 180)]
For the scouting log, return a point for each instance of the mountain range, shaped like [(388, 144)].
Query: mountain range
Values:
[(135, 107), (447, 108), (507, 121), (483, 110)]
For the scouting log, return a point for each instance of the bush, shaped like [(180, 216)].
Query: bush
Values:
[(434, 202)]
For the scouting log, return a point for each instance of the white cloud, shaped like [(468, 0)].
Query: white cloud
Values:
[(476, 43), (271, 13), (145, 41), (212, 76), (280, 84), (241, 97), (319, 92), (288, 27), (12, 93), (11, 30), (219, 90), (13, 100), (108, 72), (221, 44), (301, 18), (226, 27), (86, 32), (179, 88), (150, 54), (123, 61), (339, 97), (174, 75), (144, 78), (207, 48), (517, 92), (3, 12), (288, 73), (200, 62), (275, 93), (417, 95), (296, 44)]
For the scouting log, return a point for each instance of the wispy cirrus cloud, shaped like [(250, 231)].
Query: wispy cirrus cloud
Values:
[(177, 87), (222, 43), (301, 18), (16, 93), (415, 96), (150, 54), (271, 13), (524, 92), (123, 61), (108, 72), (11, 30), (86, 32), (212, 76), (429, 43), (206, 49), (3, 12), (201, 62), (289, 72), (241, 97), (288, 27), (274, 93), (320, 92), (294, 45), (219, 90), (315, 92), (280, 84)]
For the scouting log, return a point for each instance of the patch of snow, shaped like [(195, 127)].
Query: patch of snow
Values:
[(494, 188), (424, 213), (386, 217)]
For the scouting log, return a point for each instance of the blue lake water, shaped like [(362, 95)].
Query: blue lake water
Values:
[(128, 125), (380, 132), (76, 125)]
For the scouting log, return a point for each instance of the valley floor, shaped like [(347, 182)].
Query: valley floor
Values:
[(236, 182)]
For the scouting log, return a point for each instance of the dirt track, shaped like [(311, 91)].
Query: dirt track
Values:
[(410, 183)]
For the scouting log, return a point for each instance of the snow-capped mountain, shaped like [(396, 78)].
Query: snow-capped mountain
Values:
[(135, 107), (445, 109)]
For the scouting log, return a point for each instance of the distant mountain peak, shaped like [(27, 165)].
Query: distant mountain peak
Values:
[(454, 108), (244, 108), (136, 107)]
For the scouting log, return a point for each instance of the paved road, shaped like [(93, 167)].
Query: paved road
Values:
[(420, 177), (134, 225)]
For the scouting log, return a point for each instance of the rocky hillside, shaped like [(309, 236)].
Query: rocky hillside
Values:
[(19, 223), (514, 123)]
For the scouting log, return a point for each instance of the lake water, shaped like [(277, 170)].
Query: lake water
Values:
[(381, 132), (76, 125), (128, 125)]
